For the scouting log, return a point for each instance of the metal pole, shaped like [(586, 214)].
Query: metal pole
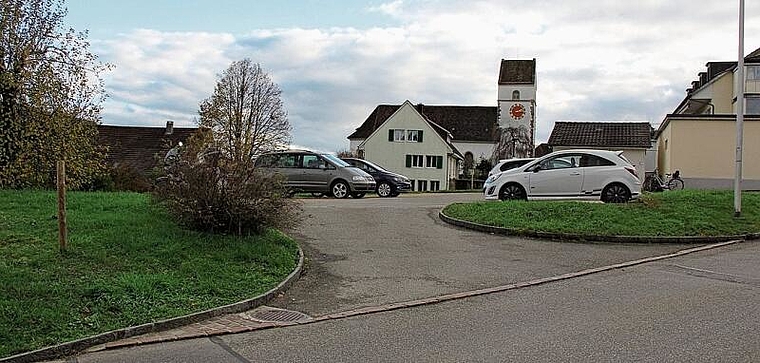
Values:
[(739, 116)]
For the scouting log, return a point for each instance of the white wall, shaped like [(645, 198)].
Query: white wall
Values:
[(527, 91), (392, 155), (478, 149)]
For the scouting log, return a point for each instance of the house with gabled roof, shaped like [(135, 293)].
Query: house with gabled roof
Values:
[(699, 137), (633, 138), (406, 140), (473, 132)]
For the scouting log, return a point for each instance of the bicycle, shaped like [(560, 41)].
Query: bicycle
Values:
[(654, 183)]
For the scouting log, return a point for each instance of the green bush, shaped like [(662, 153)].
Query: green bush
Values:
[(208, 192)]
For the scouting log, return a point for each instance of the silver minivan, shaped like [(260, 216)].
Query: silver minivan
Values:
[(308, 171)]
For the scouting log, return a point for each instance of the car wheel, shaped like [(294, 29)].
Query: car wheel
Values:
[(358, 195), (384, 190), (616, 193), (340, 190), (512, 191)]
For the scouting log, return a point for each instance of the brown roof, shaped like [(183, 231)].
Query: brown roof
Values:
[(753, 57), (517, 71), (464, 123), (136, 146), (601, 134)]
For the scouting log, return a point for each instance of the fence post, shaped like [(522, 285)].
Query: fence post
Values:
[(61, 183)]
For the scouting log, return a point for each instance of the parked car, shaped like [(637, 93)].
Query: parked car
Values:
[(569, 174), (506, 164), (388, 184), (308, 171)]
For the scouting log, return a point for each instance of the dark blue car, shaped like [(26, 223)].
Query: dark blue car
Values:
[(387, 183)]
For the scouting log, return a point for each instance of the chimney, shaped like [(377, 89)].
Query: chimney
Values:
[(169, 128)]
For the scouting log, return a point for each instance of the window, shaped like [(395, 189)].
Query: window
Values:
[(432, 161), (753, 73), (414, 161), (593, 160), (435, 185), (414, 135), (753, 105), (560, 162), (412, 182), (286, 161), (422, 185), (402, 135), (515, 95), (311, 161)]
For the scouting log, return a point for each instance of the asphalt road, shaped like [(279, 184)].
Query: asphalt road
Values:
[(374, 251), (701, 307)]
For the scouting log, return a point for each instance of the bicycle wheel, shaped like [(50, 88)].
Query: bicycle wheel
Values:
[(675, 184)]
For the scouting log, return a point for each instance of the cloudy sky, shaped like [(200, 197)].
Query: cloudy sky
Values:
[(335, 60)]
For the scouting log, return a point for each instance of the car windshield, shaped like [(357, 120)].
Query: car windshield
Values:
[(335, 160), (378, 167)]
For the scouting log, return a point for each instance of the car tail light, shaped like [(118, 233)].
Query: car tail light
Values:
[(632, 170)]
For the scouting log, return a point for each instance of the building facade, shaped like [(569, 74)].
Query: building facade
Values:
[(516, 102), (699, 137), (409, 143)]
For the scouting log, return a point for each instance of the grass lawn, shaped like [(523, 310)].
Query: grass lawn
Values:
[(126, 264), (676, 213)]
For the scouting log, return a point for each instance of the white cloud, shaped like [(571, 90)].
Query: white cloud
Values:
[(597, 60)]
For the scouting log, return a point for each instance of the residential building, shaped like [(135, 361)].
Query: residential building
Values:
[(633, 138), (699, 137), (405, 140), (474, 133)]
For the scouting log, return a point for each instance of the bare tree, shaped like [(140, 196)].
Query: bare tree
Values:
[(514, 142), (246, 113), (50, 96)]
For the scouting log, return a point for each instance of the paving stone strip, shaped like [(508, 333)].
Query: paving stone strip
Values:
[(246, 322)]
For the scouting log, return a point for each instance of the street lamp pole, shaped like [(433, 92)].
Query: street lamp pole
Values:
[(739, 116)]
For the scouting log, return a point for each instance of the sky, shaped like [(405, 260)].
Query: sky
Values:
[(336, 60)]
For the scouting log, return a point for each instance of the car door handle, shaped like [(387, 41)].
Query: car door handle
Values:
[(576, 173)]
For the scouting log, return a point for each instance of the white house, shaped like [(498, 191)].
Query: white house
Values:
[(411, 144)]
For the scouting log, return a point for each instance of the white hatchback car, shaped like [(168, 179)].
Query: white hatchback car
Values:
[(569, 174)]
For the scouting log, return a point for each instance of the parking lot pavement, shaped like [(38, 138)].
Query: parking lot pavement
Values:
[(374, 251)]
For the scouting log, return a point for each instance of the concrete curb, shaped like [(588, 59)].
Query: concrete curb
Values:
[(591, 238), (76, 346)]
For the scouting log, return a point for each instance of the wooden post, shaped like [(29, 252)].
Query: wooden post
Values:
[(61, 183)]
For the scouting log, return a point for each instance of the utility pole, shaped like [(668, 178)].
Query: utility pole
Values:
[(739, 116)]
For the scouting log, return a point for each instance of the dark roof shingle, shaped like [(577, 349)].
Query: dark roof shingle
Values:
[(601, 134), (464, 123), (517, 71), (136, 146)]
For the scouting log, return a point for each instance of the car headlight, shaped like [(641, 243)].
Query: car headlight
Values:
[(359, 178), (493, 178), (398, 180)]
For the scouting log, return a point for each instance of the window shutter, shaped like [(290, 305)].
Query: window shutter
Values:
[(408, 161), (390, 135), (440, 162), (420, 136)]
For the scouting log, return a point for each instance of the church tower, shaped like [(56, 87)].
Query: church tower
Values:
[(517, 109)]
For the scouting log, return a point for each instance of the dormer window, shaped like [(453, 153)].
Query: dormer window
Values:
[(515, 95)]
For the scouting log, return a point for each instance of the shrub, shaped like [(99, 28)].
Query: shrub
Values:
[(208, 192)]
